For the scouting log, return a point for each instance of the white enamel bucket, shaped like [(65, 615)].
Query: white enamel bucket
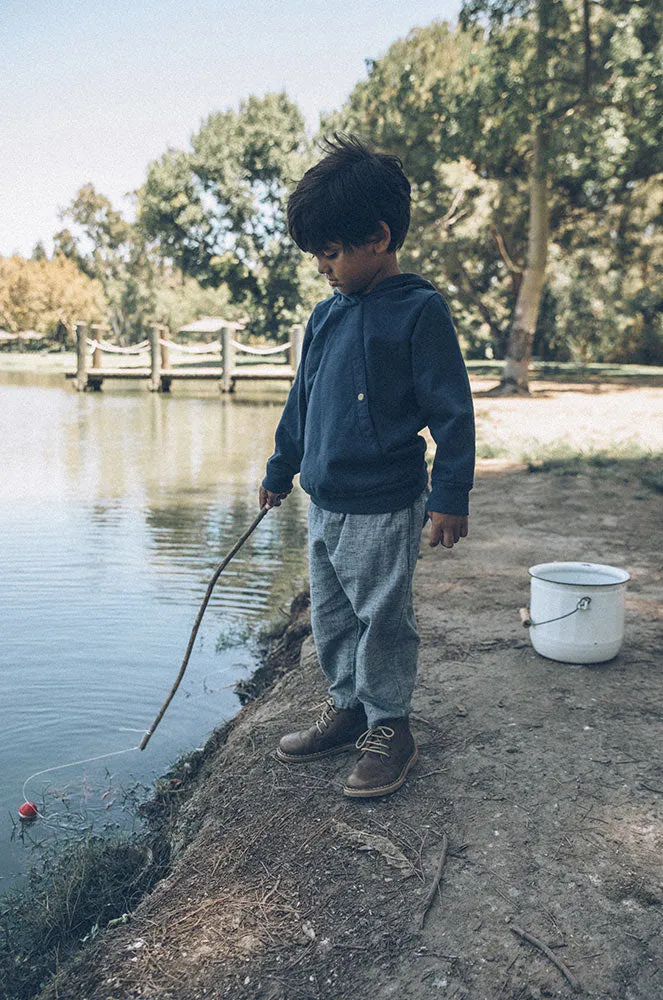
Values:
[(576, 612)]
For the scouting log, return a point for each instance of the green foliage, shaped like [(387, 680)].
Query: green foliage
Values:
[(74, 896), (106, 247), (459, 108), (218, 210), (179, 300), (414, 104)]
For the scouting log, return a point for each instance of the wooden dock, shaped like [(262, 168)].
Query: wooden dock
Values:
[(159, 375)]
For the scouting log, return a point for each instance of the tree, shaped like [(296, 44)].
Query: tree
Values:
[(218, 210), (493, 126), (47, 295), (594, 77), (106, 247), (39, 251), (180, 300), (413, 103)]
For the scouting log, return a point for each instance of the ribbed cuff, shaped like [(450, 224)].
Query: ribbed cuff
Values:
[(449, 500), (273, 485)]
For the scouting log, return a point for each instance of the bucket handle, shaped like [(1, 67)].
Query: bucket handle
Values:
[(582, 605)]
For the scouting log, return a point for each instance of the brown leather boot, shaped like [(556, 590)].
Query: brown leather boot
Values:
[(388, 753), (335, 731)]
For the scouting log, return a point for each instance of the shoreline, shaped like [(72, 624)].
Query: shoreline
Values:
[(541, 775), (482, 372), (36, 362), (149, 855)]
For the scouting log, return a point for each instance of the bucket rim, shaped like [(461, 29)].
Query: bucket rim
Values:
[(538, 573)]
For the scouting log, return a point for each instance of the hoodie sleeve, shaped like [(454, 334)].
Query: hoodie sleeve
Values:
[(443, 395), (284, 464)]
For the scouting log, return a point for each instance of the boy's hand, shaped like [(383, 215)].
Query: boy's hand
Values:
[(447, 528), (267, 499)]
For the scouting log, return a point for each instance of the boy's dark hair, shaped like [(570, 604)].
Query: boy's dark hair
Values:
[(346, 196)]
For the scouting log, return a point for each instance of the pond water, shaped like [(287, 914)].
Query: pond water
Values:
[(115, 508)]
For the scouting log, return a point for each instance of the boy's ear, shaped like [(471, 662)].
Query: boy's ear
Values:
[(382, 238)]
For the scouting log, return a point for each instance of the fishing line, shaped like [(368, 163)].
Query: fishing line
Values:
[(77, 763)]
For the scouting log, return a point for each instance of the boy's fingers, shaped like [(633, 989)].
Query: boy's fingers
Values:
[(274, 499), (447, 530), (267, 499)]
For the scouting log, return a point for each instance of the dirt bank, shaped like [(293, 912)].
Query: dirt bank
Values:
[(546, 778)]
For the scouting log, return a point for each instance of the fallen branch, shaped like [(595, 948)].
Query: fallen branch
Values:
[(573, 982), (435, 884)]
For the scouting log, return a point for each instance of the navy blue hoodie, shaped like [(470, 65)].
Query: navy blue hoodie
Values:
[(375, 370)]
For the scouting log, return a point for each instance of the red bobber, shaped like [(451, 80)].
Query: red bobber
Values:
[(28, 811)]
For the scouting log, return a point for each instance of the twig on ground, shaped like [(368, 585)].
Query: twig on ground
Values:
[(206, 904), (304, 954), (421, 849), (271, 892), (426, 722), (435, 884), (650, 788), (526, 936), (459, 852)]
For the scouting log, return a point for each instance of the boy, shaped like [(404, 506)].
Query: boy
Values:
[(380, 361)]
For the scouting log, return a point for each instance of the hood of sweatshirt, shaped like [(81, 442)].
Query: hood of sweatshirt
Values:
[(396, 283)]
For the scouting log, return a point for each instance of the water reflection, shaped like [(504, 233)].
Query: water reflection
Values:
[(114, 510)]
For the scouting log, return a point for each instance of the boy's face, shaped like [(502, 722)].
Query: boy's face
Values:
[(353, 270)]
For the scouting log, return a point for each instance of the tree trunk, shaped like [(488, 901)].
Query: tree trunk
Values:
[(526, 313), (528, 301)]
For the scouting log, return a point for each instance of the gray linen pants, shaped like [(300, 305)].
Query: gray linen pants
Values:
[(361, 568)]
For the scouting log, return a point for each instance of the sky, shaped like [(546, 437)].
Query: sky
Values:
[(93, 91)]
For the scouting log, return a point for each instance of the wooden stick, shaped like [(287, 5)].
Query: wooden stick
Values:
[(436, 882), (196, 625), (526, 936)]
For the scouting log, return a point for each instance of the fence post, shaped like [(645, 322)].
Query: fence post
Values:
[(165, 349), (166, 377), (155, 359), (81, 357), (227, 359), (295, 349), (97, 354)]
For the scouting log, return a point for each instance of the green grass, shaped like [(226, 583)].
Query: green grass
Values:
[(74, 895), (626, 465), (571, 371), (487, 450)]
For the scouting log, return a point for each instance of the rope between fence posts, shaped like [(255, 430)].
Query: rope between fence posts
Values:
[(112, 349), (212, 348), (260, 350)]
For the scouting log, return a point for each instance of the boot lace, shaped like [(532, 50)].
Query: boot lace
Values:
[(329, 711), (376, 741)]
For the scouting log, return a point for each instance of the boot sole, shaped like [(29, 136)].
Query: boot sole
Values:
[(369, 793), (303, 758)]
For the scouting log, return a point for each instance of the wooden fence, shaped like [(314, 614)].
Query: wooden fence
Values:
[(159, 371)]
